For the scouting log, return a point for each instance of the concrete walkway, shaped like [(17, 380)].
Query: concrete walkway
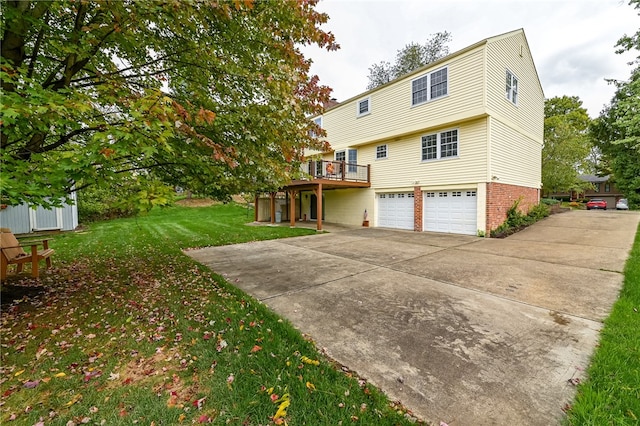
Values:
[(464, 330)]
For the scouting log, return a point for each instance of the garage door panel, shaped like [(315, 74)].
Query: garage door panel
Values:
[(395, 210), (450, 211)]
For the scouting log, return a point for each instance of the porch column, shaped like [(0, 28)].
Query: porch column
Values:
[(318, 192), (273, 207), (255, 208), (292, 208)]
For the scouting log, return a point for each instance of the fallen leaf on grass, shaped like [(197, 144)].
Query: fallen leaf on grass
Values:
[(256, 348), (309, 360), (198, 403), (31, 384), (311, 386), (76, 398), (282, 408)]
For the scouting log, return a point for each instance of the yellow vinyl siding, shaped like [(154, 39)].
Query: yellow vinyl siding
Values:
[(347, 206), (515, 158), (392, 113), (404, 166), (504, 53)]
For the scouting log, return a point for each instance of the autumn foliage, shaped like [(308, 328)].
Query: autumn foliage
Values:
[(211, 96)]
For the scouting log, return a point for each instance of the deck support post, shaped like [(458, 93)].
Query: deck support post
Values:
[(272, 196), (318, 192), (292, 208)]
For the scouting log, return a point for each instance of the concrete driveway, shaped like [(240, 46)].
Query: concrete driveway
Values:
[(463, 330)]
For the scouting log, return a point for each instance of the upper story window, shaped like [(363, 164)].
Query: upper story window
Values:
[(440, 145), (364, 106), (512, 87), (430, 86), (318, 121), (607, 187), (381, 152)]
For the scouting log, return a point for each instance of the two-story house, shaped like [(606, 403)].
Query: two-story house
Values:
[(447, 148)]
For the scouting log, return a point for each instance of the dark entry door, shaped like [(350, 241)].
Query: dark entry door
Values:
[(314, 207)]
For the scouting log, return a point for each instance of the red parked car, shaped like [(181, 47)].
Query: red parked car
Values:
[(596, 203)]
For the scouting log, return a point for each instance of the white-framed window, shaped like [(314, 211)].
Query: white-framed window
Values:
[(350, 156), (318, 122), (430, 86), (512, 87), (381, 152), (431, 194), (364, 106), (471, 193), (440, 145)]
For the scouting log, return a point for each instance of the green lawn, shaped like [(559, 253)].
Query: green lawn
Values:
[(611, 394), (126, 329)]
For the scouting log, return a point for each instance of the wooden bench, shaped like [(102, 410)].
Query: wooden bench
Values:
[(13, 253)]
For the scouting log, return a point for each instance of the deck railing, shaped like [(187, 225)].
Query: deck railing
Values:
[(337, 170)]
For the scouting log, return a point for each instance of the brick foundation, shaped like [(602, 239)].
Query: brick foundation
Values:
[(417, 209), (500, 197)]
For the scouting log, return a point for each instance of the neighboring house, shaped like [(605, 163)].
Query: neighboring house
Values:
[(24, 220), (603, 187), (448, 148)]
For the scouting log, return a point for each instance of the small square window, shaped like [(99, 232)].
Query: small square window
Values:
[(381, 152), (442, 194), (471, 193), (456, 194), (410, 195), (431, 194), (364, 106), (382, 195)]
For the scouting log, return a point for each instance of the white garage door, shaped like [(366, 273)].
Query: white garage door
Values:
[(450, 211), (396, 210)]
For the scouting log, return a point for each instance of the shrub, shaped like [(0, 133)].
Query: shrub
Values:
[(100, 203), (516, 220), (539, 211), (550, 201)]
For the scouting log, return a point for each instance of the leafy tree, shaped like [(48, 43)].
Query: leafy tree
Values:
[(567, 144), (211, 96), (617, 130), (409, 58)]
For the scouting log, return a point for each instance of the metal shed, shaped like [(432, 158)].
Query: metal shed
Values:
[(24, 220)]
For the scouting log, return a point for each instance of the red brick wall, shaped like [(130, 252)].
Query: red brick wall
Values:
[(417, 209), (500, 197)]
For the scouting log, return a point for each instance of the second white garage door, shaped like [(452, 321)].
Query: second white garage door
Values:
[(451, 211), (395, 210)]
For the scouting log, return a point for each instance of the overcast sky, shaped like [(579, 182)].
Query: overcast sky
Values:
[(572, 41)]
